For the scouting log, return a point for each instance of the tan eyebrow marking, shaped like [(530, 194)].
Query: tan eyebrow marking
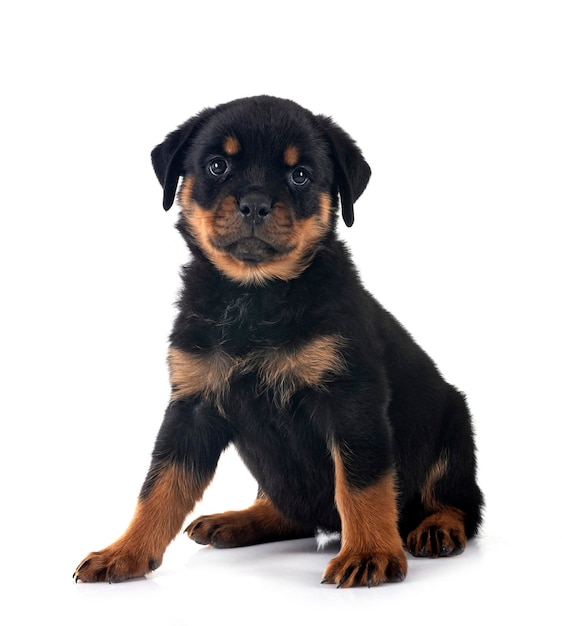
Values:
[(231, 145), (291, 155)]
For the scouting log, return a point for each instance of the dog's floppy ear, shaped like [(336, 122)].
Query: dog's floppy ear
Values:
[(168, 157), (351, 169)]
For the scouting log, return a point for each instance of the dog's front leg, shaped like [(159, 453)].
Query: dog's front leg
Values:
[(371, 548), (184, 460)]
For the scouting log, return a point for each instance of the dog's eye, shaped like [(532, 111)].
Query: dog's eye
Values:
[(218, 167), (299, 176)]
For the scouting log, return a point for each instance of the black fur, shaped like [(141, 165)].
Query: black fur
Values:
[(387, 410)]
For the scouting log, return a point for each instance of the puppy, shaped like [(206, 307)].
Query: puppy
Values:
[(345, 423)]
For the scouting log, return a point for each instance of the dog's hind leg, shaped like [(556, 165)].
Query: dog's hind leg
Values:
[(260, 523), (448, 519), (448, 509)]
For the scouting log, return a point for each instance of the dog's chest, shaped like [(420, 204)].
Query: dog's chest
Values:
[(252, 343), (248, 322), (215, 374)]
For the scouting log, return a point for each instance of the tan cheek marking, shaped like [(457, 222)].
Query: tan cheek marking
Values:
[(201, 226), (204, 224), (223, 220), (309, 231), (185, 192), (206, 374), (326, 209), (302, 236), (231, 146), (291, 156), (311, 365), (280, 224), (186, 203)]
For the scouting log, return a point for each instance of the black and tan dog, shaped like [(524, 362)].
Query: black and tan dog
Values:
[(343, 420)]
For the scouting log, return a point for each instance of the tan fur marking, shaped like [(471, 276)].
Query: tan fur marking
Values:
[(207, 373), (311, 365), (306, 235), (435, 473), (260, 522), (231, 146), (447, 528), (291, 156), (369, 516), (159, 516), (157, 520), (447, 517), (184, 195), (283, 370), (301, 236), (268, 519), (371, 548)]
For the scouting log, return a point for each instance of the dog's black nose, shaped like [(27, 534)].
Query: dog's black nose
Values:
[(255, 206)]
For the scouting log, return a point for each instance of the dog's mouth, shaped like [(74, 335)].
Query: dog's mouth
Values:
[(252, 250)]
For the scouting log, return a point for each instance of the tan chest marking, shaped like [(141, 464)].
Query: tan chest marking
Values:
[(207, 374), (285, 370), (280, 370)]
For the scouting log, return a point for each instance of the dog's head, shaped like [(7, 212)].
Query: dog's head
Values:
[(261, 179)]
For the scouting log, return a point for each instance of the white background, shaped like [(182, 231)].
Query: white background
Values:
[(457, 107)]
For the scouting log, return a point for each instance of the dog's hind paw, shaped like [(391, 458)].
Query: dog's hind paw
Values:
[(260, 523), (223, 530), (440, 534)]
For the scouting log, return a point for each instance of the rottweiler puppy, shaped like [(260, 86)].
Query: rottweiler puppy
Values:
[(343, 420)]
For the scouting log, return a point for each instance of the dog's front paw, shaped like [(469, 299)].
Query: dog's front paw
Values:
[(352, 569), (113, 565)]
